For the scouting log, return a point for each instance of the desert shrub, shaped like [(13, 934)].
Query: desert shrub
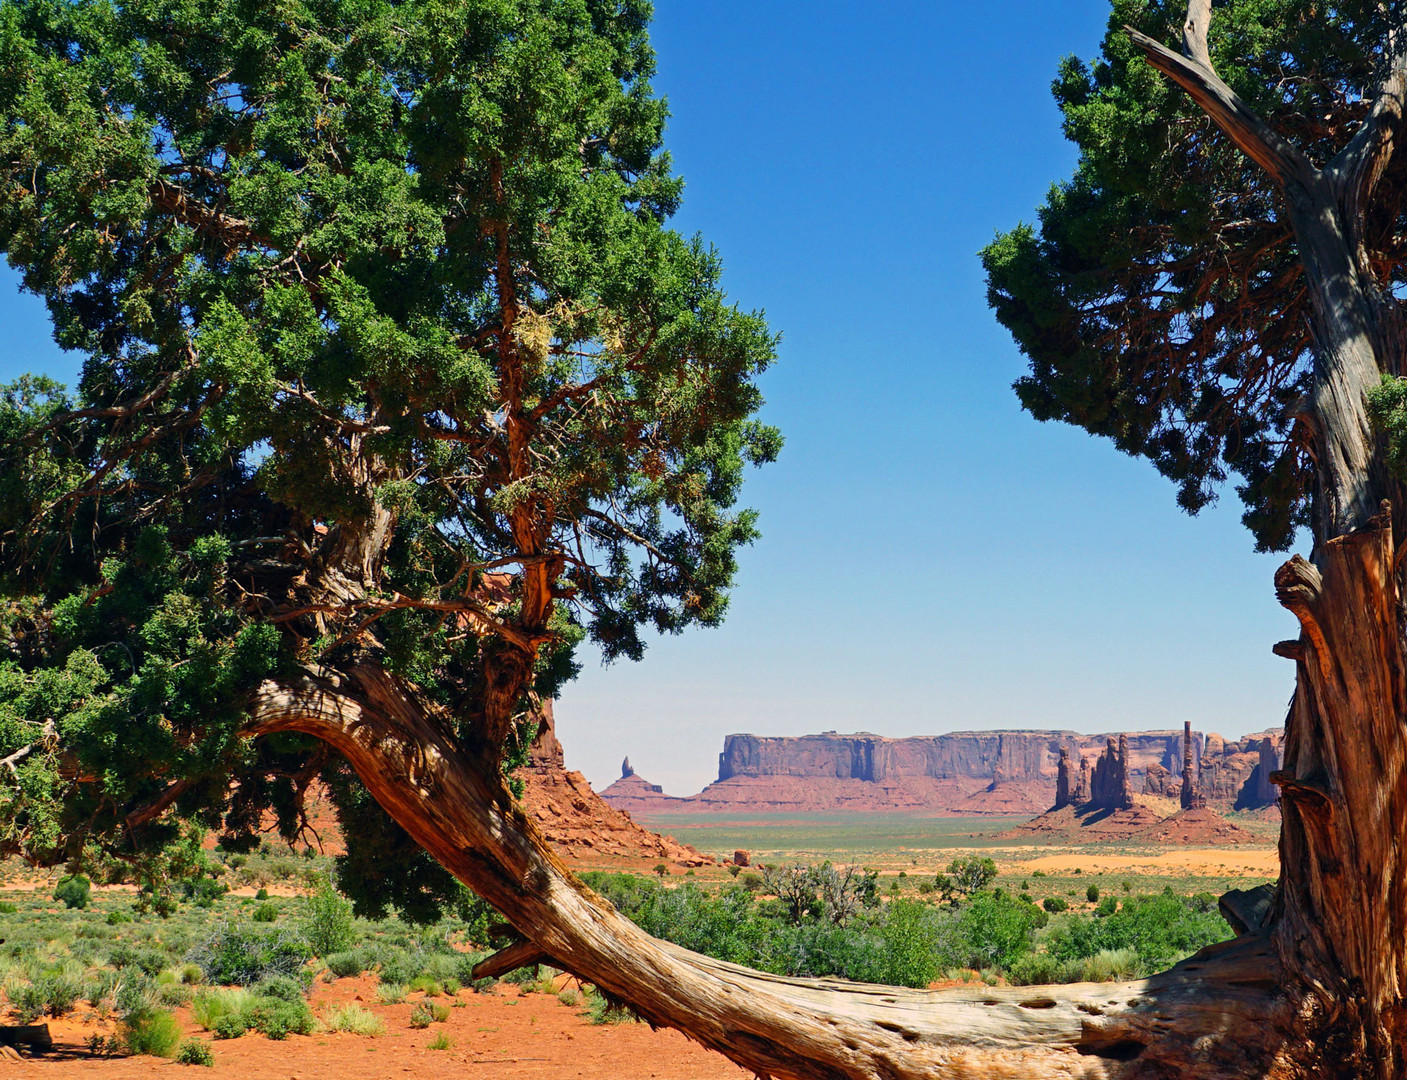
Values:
[(195, 1052), (426, 1013), (912, 933), (394, 965), (1034, 969), (74, 890), (7, 908), (1054, 904), (1161, 929), (26, 998), (211, 1006), (147, 961), (135, 995), (173, 994), (344, 965), (117, 918), (156, 1033), (241, 956), (523, 976), (427, 986), (278, 1019), (1108, 965), (1092, 894), (265, 913), (282, 987), (262, 894), (354, 1019), (441, 1041), (997, 930), (567, 996), (327, 918), (1106, 907), (391, 993)]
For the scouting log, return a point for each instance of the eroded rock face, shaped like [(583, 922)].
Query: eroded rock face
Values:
[(1109, 780), (1258, 791), (982, 772)]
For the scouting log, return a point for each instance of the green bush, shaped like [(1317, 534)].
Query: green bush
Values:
[(348, 964), (426, 1013), (1092, 894), (195, 1052), (1034, 969), (238, 956), (1054, 904), (74, 890), (327, 920), (211, 1005), (262, 894), (997, 930), (155, 1033), (278, 1019), (1160, 929), (355, 1019), (265, 913)]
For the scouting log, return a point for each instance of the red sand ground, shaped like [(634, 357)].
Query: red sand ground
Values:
[(496, 1036)]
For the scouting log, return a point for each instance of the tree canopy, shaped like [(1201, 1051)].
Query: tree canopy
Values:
[(391, 358), (1161, 298)]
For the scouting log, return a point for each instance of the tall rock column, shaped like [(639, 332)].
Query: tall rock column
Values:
[(1191, 790), (1125, 788), (1062, 780)]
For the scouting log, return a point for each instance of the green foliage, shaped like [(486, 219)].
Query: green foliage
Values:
[(967, 875), (354, 1019), (327, 261), (997, 930), (265, 913), (1159, 929), (1054, 904), (1160, 298), (327, 918), (1092, 894), (73, 890), (241, 956), (426, 1013), (195, 1052), (156, 1033)]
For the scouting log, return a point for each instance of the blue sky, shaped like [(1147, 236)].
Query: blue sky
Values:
[(932, 558)]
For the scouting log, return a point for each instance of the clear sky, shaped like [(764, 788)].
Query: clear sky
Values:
[(932, 558)]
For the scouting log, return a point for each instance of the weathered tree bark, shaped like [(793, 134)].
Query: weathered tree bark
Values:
[(1339, 923), (1217, 1015)]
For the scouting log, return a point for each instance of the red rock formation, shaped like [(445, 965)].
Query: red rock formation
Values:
[(992, 772), (1191, 794), (1258, 791), (1063, 795), (1109, 783), (576, 820)]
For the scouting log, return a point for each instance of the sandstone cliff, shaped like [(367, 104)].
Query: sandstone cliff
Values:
[(1007, 772)]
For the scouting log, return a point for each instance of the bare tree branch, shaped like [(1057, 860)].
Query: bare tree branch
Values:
[(1281, 159)]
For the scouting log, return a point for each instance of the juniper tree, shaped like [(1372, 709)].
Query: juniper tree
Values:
[(396, 382), (398, 386), (1218, 289)]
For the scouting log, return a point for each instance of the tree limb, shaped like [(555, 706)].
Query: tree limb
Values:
[(1282, 160), (46, 736)]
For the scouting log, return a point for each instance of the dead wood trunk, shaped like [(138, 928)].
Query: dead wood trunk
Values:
[(1217, 1015)]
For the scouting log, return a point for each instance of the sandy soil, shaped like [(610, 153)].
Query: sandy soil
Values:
[(1251, 862), (496, 1036)]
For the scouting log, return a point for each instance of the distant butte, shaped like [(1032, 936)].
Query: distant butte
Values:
[(970, 773)]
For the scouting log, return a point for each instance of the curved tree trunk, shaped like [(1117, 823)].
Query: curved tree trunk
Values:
[(1219, 1014)]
